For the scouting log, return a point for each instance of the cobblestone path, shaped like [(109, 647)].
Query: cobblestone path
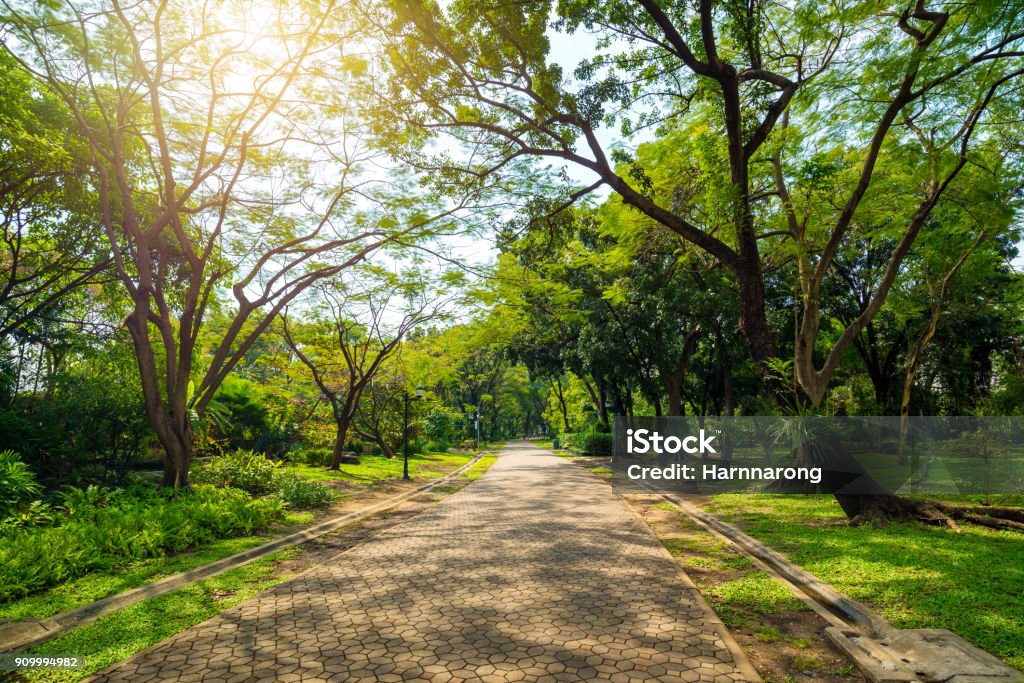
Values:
[(535, 572)]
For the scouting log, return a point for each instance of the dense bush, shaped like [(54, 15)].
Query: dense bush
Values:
[(437, 446), (245, 470), (252, 472), (312, 456), (302, 494), (134, 524), (88, 427), (18, 486), (588, 443)]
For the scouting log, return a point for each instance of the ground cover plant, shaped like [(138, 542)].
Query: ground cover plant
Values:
[(122, 527)]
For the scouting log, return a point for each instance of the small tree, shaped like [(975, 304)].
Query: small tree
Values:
[(358, 329)]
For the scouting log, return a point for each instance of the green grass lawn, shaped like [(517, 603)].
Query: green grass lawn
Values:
[(375, 468), (917, 576), (474, 472)]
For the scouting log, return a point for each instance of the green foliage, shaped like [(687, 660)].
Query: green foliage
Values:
[(439, 425), (311, 456), (18, 485), (245, 470), (36, 513), (437, 446), (88, 427), (588, 443), (76, 502), (135, 524), (300, 494)]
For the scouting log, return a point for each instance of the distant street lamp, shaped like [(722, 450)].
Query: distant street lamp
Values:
[(405, 432), (475, 417)]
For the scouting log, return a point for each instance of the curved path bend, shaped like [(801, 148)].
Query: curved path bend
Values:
[(535, 572)]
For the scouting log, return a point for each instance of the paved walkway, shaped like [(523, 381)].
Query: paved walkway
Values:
[(536, 572)]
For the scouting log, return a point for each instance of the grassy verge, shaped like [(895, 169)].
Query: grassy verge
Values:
[(474, 472), (376, 468), (121, 634), (781, 636), (971, 583), (745, 591)]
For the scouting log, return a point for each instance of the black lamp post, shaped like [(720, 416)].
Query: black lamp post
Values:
[(405, 432)]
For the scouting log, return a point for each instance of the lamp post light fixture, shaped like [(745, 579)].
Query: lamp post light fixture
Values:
[(405, 432)]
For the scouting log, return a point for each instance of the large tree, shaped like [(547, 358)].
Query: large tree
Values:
[(224, 174), (784, 117)]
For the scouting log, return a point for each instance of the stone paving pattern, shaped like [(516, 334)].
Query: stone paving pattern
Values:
[(535, 572)]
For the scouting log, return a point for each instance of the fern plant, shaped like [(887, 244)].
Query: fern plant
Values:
[(18, 485)]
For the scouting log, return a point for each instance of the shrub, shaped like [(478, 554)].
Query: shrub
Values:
[(242, 469), (440, 446), (135, 524), (312, 456), (18, 485), (300, 494), (36, 513), (589, 443)]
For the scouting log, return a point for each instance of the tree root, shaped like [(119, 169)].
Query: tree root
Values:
[(878, 510)]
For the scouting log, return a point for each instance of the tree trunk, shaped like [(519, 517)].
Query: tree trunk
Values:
[(561, 403), (178, 452), (338, 456)]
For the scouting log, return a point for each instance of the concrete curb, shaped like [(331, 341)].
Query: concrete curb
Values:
[(25, 633)]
